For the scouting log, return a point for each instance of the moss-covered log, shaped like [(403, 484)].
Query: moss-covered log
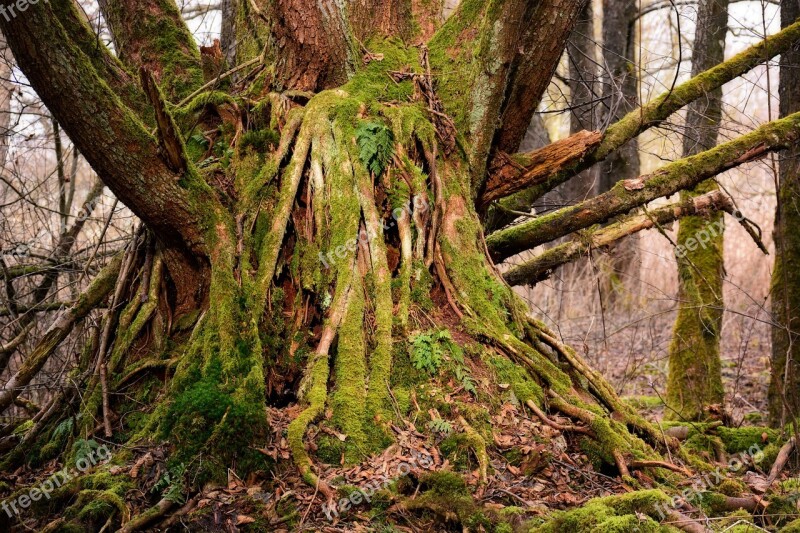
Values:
[(679, 175), (539, 268), (653, 113)]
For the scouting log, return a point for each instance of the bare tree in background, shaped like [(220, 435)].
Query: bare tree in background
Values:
[(695, 376), (619, 270), (784, 391)]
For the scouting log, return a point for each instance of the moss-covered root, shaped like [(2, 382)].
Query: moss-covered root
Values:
[(604, 392), (635, 511), (149, 517), (381, 358), (478, 445), (316, 387)]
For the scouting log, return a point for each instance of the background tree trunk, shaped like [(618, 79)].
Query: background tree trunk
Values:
[(695, 376), (619, 270), (784, 390)]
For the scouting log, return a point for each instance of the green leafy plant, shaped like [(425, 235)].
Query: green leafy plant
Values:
[(84, 449), (170, 485), (440, 425), (430, 350), (376, 145)]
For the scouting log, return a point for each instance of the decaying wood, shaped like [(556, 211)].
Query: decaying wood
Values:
[(169, 141), (781, 460), (661, 108), (508, 176), (629, 194), (683, 522)]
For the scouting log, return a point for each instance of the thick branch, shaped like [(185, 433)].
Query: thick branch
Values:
[(538, 54), (540, 267), (115, 143), (629, 194), (655, 112), (58, 331), (151, 34), (472, 57), (538, 165), (107, 66)]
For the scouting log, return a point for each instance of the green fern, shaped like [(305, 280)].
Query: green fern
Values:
[(426, 352), (376, 146), (171, 485), (439, 425)]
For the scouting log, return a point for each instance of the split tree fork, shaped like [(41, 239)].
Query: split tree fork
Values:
[(332, 115)]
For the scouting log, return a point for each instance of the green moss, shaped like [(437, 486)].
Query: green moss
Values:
[(457, 448), (443, 483), (746, 438), (731, 487), (523, 386), (782, 510), (611, 514), (792, 527), (349, 393), (695, 377), (644, 402)]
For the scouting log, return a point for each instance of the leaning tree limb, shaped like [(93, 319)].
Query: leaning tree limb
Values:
[(637, 121), (112, 138), (106, 64), (58, 331), (681, 174), (540, 267)]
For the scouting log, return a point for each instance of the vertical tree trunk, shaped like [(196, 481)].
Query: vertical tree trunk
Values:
[(784, 389), (695, 379), (584, 91), (620, 92)]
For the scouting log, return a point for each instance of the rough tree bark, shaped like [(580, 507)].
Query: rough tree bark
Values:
[(784, 395), (694, 381)]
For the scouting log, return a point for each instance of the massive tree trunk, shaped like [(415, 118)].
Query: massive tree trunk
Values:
[(312, 245), (784, 388), (695, 376)]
